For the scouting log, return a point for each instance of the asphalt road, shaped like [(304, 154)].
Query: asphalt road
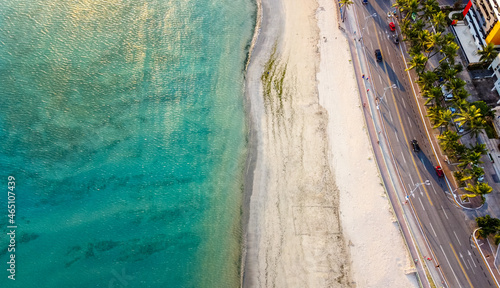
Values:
[(445, 225)]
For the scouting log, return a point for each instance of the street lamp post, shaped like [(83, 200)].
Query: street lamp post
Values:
[(393, 86), (426, 182), (366, 22)]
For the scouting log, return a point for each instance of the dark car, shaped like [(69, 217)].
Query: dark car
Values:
[(395, 38), (439, 171), (416, 148), (392, 26), (365, 2), (378, 55)]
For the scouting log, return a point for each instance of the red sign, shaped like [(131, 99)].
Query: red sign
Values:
[(467, 8)]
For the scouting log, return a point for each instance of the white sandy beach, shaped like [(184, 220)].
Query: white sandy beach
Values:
[(318, 215)]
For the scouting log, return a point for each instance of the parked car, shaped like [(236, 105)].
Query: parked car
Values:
[(439, 171), (416, 148), (392, 26), (365, 2), (378, 55)]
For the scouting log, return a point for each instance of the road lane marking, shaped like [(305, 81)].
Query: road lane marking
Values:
[(461, 267), (397, 138), (471, 266), (380, 79), (434, 190), (371, 44), (389, 51), (409, 121), (453, 271), (404, 104), (457, 238), (403, 156), (397, 82), (445, 213), (470, 255), (433, 229), (390, 115), (421, 203), (411, 179)]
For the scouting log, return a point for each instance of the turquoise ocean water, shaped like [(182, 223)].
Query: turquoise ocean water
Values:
[(123, 124)]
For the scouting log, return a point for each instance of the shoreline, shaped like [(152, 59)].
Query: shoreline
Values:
[(259, 48)]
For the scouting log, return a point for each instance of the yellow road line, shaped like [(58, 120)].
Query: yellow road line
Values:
[(402, 127), (462, 267)]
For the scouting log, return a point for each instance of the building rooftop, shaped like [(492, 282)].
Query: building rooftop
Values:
[(466, 41)]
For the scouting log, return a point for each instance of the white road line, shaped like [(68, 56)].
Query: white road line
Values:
[(371, 44), (434, 189), (389, 51), (463, 260), (445, 213), (409, 121), (404, 104), (380, 79), (403, 156), (471, 266), (422, 205), (390, 115), (450, 265), (457, 238), (472, 260), (434, 231), (409, 175), (397, 138), (397, 82)]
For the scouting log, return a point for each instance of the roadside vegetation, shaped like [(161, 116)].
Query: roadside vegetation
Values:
[(489, 226), (423, 25)]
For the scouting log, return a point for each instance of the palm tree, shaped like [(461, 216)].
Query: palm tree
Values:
[(448, 72), (431, 7), (479, 148), (345, 3), (431, 42), (480, 189), (404, 25), (434, 114), (455, 84), (412, 6), (450, 51), (472, 118), (449, 140), (434, 94), (488, 53), (426, 80), (423, 36), (443, 120), (401, 4), (470, 157), (439, 20), (418, 62), (476, 172), (461, 94)]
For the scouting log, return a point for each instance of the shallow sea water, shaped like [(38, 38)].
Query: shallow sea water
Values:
[(123, 124)]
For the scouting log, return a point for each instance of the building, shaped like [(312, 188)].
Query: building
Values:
[(483, 18)]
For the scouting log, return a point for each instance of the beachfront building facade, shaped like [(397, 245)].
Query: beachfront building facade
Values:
[(483, 19), (495, 66)]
